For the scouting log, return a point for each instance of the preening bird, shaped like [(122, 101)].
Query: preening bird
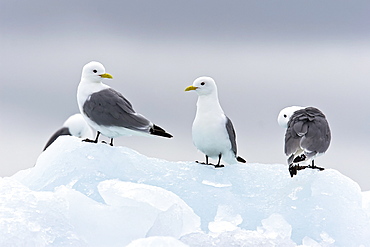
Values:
[(213, 132), (307, 136), (75, 125), (107, 111)]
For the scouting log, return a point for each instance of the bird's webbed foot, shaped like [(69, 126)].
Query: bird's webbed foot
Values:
[(202, 163), (210, 164), (89, 140), (218, 165), (294, 168), (316, 167), (111, 142), (93, 141)]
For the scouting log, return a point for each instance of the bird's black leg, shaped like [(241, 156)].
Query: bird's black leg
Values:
[(219, 160), (97, 137), (111, 142), (312, 164), (94, 141), (206, 163)]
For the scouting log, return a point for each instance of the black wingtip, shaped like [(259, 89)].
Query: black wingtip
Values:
[(158, 131), (240, 159), (61, 132)]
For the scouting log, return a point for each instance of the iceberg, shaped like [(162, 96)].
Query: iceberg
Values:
[(83, 194)]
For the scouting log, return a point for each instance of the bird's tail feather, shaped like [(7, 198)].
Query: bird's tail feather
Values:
[(158, 131), (240, 159)]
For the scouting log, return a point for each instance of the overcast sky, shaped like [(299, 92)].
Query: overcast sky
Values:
[(263, 55)]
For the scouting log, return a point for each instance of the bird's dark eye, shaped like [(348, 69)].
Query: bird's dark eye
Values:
[(202, 83), (95, 71), (285, 115)]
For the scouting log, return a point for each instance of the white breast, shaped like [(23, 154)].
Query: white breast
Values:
[(210, 135), (85, 89)]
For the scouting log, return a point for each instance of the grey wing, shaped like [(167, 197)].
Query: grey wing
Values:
[(297, 128), (318, 136), (231, 133), (292, 140), (308, 129), (109, 108)]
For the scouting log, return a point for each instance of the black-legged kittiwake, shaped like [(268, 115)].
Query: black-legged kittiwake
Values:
[(213, 132), (107, 111), (307, 136), (75, 125)]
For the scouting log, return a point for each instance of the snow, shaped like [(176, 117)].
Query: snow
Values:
[(83, 194)]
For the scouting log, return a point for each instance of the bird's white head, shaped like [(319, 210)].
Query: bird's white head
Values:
[(203, 86), (94, 72), (78, 127), (285, 115)]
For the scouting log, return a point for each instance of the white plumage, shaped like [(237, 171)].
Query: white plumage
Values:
[(78, 126), (212, 131), (107, 111)]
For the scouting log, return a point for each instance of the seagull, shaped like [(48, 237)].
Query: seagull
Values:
[(75, 125), (213, 132), (107, 111), (307, 136)]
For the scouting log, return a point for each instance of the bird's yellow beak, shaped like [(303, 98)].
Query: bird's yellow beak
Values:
[(106, 75), (190, 88)]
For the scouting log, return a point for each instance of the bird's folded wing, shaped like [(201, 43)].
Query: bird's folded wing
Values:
[(109, 108)]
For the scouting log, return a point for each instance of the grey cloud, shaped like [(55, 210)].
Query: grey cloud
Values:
[(192, 19)]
